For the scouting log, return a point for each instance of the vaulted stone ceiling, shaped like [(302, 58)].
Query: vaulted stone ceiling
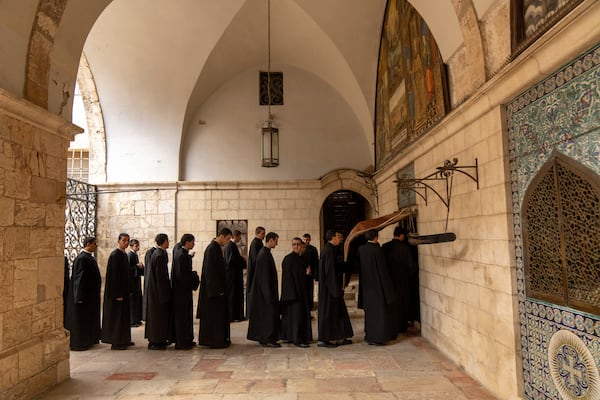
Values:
[(178, 81)]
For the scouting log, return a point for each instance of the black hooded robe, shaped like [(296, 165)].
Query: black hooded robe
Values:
[(83, 302), (295, 308), (212, 304), (378, 295), (158, 297), (264, 323), (235, 278), (333, 319), (147, 258), (116, 323), (255, 247), (136, 300), (401, 266), (183, 282), (311, 255)]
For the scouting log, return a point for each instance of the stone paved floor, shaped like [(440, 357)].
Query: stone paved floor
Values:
[(407, 369)]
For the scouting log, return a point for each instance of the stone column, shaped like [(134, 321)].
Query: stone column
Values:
[(34, 347)]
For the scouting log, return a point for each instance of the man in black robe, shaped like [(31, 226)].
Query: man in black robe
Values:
[(333, 319), (401, 265), (147, 258), (311, 255), (295, 308), (158, 297), (65, 293), (116, 323), (255, 246), (378, 292), (264, 322), (83, 299), (212, 304), (235, 277), (136, 271), (184, 282)]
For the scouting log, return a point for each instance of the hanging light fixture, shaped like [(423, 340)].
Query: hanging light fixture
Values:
[(270, 134)]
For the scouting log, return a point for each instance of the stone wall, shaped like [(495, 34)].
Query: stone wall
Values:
[(288, 208), (469, 287), (34, 347)]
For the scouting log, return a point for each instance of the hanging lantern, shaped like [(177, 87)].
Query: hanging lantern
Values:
[(270, 145)]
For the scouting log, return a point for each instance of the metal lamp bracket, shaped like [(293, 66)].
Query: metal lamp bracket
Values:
[(444, 173)]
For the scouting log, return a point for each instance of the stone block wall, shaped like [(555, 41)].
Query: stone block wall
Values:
[(288, 208), (468, 301), (34, 347)]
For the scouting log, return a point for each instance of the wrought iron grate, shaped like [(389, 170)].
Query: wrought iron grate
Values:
[(80, 216)]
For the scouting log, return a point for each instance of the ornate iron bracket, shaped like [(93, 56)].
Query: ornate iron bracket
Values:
[(444, 173)]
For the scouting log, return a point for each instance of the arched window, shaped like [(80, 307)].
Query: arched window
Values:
[(561, 232)]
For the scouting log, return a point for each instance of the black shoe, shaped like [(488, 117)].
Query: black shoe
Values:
[(302, 345), (118, 347), (130, 344), (135, 325), (79, 348), (344, 342), (326, 344), (156, 346), (271, 344), (376, 343)]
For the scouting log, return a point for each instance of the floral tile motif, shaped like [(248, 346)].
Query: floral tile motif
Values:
[(558, 114)]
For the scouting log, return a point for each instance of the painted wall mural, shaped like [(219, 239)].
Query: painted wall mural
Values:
[(560, 345), (411, 84)]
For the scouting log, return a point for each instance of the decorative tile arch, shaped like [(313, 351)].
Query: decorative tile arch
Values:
[(556, 115)]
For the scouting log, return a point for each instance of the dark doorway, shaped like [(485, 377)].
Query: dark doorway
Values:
[(342, 210)]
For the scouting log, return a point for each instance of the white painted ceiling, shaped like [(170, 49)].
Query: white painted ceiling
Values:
[(178, 84)]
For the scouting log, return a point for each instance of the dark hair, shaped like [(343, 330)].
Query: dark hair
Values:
[(88, 240), (161, 238), (271, 235), (399, 230), (225, 232), (307, 235), (296, 238), (122, 235), (236, 233), (259, 229), (371, 234), (133, 242), (330, 234), (186, 237)]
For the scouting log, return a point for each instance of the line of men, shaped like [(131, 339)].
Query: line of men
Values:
[(167, 305)]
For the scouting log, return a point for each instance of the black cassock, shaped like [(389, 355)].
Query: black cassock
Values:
[(295, 308), (116, 325), (401, 265), (147, 258), (333, 320), (264, 321), (235, 278), (184, 283), (212, 304), (378, 295), (311, 255), (136, 300), (158, 299), (83, 302), (255, 247)]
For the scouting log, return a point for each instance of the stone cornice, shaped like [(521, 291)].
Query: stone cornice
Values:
[(39, 117)]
